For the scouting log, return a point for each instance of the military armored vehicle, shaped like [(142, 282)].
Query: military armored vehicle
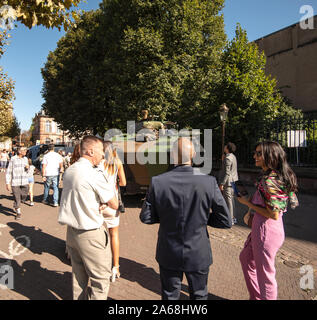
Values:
[(144, 154), (147, 153)]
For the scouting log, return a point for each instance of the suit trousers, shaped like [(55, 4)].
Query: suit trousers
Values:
[(228, 195), (171, 281), (20, 193), (91, 260)]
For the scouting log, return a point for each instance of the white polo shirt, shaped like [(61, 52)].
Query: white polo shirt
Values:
[(84, 188)]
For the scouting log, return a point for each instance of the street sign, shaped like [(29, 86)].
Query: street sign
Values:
[(296, 138)]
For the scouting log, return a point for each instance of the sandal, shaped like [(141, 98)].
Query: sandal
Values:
[(115, 274)]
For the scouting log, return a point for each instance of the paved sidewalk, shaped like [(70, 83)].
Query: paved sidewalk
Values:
[(34, 247)]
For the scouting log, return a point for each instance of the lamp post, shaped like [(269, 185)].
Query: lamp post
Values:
[(223, 111)]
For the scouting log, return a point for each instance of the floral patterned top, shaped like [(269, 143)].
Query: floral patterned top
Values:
[(274, 193)]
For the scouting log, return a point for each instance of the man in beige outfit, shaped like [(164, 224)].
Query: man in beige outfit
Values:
[(84, 191), (228, 174)]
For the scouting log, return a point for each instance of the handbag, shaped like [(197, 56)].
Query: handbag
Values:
[(121, 208)]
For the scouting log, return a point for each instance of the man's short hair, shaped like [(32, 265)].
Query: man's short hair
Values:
[(231, 147), (19, 149), (144, 112), (51, 147), (87, 142)]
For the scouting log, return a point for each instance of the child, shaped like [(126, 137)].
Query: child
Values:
[(31, 181)]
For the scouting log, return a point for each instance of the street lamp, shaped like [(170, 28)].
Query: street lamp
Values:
[(223, 111)]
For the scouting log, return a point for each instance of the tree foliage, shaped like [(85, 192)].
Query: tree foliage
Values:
[(251, 95), (170, 57), (9, 126), (73, 94), (127, 56), (48, 13)]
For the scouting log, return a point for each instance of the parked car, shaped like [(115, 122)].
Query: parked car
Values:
[(36, 153)]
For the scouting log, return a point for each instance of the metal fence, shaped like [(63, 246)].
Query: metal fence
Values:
[(298, 136)]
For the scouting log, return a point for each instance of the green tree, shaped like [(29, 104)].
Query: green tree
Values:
[(159, 55), (251, 95), (48, 13), (8, 123), (73, 87)]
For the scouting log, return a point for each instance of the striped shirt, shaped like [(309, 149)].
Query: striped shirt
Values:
[(16, 174)]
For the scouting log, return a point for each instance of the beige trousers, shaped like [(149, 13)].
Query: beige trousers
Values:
[(228, 195), (91, 260)]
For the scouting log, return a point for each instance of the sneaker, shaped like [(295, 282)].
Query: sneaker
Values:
[(234, 221), (55, 205), (18, 214), (31, 204), (44, 201)]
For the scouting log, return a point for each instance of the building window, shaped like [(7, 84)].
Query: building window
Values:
[(58, 140), (48, 141), (48, 126)]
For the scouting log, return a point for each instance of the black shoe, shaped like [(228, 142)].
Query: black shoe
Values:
[(121, 208)]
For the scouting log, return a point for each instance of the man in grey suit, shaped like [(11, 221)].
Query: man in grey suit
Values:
[(228, 174), (184, 201)]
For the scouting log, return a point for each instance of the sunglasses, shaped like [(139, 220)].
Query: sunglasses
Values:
[(257, 153)]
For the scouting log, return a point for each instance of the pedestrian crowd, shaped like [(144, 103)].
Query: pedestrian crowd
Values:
[(183, 201), (20, 173)]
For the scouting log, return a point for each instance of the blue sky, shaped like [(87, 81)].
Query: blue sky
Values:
[(28, 49)]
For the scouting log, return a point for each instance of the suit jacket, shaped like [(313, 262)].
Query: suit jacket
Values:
[(181, 201), (229, 172)]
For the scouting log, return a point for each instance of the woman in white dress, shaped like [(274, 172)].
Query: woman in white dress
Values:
[(113, 169)]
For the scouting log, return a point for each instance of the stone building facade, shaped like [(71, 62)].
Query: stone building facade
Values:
[(291, 55), (46, 131)]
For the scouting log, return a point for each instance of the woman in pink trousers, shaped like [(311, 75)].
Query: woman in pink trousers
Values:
[(276, 186)]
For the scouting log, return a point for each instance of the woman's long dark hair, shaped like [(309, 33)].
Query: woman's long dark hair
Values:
[(275, 159)]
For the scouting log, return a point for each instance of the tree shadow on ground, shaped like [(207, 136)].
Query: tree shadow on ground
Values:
[(36, 198), (7, 211), (149, 279), (40, 242), (37, 283)]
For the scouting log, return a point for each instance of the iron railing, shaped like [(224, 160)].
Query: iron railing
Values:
[(298, 137)]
